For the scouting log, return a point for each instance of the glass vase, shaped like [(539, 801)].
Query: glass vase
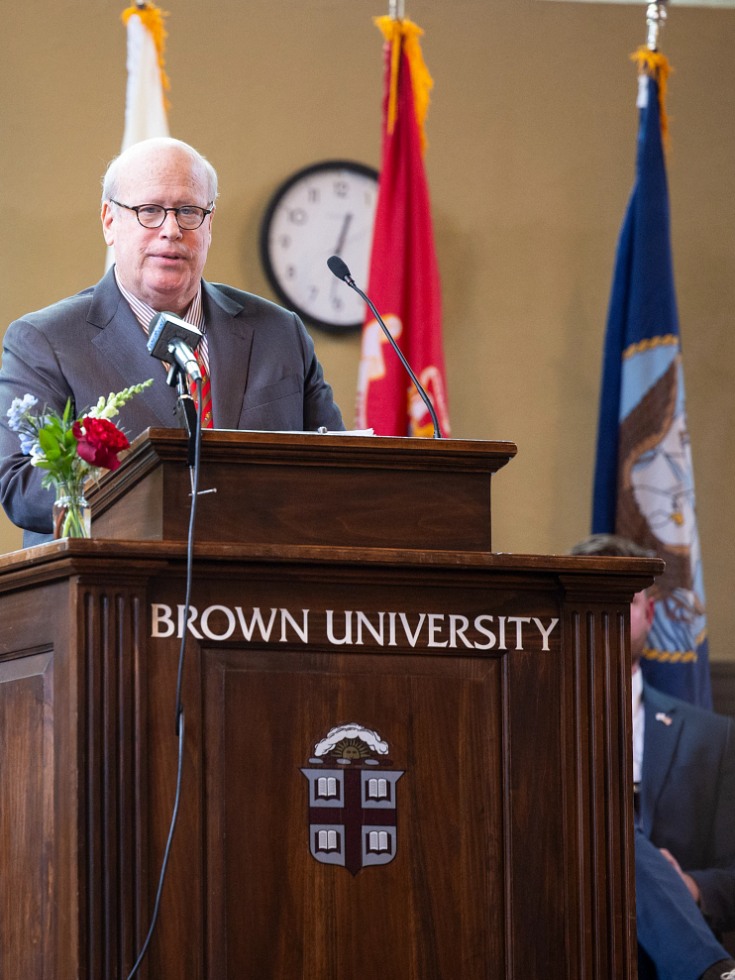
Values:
[(72, 515)]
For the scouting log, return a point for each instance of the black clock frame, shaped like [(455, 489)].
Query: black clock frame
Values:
[(283, 188)]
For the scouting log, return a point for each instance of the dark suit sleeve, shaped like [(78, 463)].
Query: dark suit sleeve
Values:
[(284, 385), (670, 928), (717, 881), (319, 406), (29, 366)]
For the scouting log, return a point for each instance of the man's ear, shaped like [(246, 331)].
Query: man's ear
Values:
[(650, 610), (107, 221)]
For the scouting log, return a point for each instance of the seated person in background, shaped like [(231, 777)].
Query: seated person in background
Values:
[(158, 202), (684, 771)]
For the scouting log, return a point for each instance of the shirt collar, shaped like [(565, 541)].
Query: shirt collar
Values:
[(637, 689), (144, 313)]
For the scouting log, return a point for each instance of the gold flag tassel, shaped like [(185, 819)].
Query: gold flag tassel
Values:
[(404, 35), (151, 17), (656, 66)]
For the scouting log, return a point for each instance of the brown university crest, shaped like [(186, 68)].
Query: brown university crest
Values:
[(352, 799)]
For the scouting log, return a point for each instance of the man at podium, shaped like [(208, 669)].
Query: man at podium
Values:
[(258, 363)]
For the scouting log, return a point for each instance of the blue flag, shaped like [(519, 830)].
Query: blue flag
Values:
[(644, 484)]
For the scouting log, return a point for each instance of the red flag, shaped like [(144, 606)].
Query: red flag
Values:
[(404, 276)]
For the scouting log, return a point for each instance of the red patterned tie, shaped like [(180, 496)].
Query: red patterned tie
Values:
[(206, 410)]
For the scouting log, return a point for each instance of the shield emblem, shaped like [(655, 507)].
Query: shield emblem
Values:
[(352, 799)]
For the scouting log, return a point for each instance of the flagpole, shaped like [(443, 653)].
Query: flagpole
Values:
[(655, 19), (396, 9)]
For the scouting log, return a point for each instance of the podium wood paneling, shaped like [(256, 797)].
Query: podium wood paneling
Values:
[(291, 488), (513, 812)]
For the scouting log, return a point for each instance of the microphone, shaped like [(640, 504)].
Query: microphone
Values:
[(172, 338), (339, 268)]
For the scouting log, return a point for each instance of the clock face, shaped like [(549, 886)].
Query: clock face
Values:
[(322, 210)]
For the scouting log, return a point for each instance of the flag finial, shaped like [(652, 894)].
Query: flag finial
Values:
[(651, 62), (655, 19)]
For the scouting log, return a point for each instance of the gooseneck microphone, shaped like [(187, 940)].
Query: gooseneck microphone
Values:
[(172, 339), (339, 268)]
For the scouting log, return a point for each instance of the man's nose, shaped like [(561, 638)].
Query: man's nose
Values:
[(170, 227)]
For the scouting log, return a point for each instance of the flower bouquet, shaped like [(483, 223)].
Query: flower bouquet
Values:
[(72, 450)]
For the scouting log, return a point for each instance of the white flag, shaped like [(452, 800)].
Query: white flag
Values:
[(145, 103)]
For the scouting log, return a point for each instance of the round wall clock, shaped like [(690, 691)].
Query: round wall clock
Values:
[(325, 209)]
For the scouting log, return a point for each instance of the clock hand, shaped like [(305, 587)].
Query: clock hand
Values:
[(343, 234), (341, 243)]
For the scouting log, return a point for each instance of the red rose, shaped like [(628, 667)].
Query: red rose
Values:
[(99, 442)]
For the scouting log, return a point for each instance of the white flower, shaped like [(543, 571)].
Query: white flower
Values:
[(108, 408)]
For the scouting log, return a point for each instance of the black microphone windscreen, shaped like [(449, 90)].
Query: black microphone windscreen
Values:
[(338, 267), (165, 327)]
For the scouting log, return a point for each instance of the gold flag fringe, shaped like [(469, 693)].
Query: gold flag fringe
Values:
[(404, 35), (656, 66), (151, 17)]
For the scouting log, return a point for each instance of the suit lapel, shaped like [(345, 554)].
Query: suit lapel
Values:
[(230, 340), (661, 735), (122, 344)]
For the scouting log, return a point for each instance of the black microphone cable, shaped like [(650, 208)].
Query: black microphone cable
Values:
[(180, 717)]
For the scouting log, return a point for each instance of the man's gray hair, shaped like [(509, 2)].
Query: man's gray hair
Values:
[(612, 545), (111, 179)]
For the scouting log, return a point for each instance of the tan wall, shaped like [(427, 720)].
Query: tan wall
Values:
[(532, 140)]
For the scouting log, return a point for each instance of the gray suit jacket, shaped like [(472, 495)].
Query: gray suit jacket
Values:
[(265, 375)]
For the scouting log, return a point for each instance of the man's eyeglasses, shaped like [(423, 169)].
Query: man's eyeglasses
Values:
[(188, 218)]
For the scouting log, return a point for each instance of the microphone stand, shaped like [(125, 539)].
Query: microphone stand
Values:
[(339, 269), (417, 384), (186, 412)]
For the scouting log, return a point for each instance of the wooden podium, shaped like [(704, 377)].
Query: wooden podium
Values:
[(405, 757)]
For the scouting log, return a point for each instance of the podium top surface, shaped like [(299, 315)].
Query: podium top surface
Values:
[(592, 574), (345, 448)]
